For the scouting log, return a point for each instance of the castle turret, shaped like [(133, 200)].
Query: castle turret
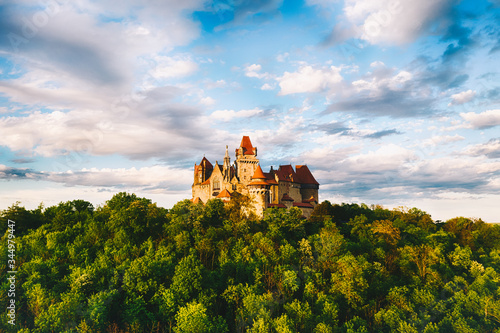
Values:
[(258, 189)]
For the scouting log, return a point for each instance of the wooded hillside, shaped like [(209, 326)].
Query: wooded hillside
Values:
[(131, 266)]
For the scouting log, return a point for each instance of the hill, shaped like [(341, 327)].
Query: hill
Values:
[(131, 266)]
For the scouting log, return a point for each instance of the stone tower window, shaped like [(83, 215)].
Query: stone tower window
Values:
[(216, 184)]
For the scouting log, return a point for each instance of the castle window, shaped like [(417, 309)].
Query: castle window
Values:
[(216, 184)]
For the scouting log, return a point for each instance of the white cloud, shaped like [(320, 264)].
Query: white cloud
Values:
[(227, 115), (483, 120), (377, 64), (267, 86), (454, 173), (462, 98), (79, 56), (393, 22), (217, 84), (309, 79), (278, 140), (208, 101), (442, 139), (387, 157), (173, 67), (157, 176), (489, 149), (378, 82), (254, 71), (150, 125)]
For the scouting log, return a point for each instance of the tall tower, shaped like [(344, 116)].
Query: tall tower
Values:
[(226, 167), (246, 160)]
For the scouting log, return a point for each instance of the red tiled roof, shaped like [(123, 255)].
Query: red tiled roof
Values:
[(287, 172), (286, 197), (270, 178), (246, 144), (206, 182), (302, 204), (281, 176), (258, 174), (304, 175), (224, 194)]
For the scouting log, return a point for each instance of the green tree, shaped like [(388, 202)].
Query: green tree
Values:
[(192, 318)]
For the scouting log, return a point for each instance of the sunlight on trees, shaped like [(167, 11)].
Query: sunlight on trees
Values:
[(131, 266)]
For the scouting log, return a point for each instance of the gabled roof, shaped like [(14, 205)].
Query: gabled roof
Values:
[(208, 165), (218, 167), (286, 197), (246, 144), (286, 173), (224, 194), (304, 175)]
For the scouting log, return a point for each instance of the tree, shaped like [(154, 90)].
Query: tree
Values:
[(187, 280), (192, 318), (26, 220)]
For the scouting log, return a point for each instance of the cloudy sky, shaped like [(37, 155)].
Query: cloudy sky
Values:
[(388, 102)]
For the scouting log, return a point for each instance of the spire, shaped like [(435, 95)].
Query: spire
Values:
[(227, 166)]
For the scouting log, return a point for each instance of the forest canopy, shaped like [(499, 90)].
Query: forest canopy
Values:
[(131, 266)]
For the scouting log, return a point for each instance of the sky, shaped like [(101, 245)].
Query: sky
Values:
[(395, 103)]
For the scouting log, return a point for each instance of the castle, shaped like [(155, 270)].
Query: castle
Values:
[(281, 188)]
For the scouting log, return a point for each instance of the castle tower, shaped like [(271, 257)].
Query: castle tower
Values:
[(258, 189), (246, 161)]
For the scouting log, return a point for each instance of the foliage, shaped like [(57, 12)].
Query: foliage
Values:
[(131, 266)]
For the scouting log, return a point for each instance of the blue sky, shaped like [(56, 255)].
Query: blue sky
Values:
[(388, 102)]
